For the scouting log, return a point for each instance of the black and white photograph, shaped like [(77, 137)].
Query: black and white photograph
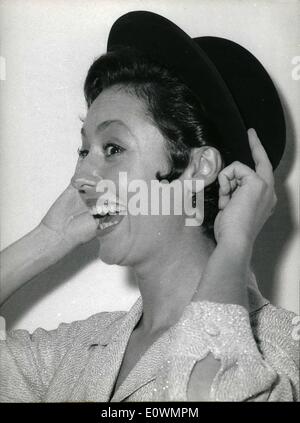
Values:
[(149, 186)]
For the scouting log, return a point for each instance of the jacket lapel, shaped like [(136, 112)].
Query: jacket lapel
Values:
[(101, 372), (145, 370)]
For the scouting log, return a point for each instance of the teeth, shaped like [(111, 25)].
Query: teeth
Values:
[(105, 209), (114, 208), (102, 210)]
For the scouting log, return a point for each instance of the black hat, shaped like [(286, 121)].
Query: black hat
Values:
[(234, 88)]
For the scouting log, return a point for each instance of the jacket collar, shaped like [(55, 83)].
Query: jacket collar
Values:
[(107, 356), (145, 370), (119, 326), (116, 339)]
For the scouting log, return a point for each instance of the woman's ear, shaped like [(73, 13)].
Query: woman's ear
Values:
[(205, 163)]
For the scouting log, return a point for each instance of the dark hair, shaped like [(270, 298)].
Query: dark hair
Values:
[(176, 112)]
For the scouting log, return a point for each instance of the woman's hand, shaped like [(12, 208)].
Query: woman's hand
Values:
[(67, 224), (246, 198), (70, 219)]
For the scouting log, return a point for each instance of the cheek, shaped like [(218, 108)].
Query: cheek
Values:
[(153, 231), (140, 237)]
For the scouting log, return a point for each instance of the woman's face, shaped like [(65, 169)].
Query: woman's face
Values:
[(118, 136)]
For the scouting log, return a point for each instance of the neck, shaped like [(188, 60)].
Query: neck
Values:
[(168, 280)]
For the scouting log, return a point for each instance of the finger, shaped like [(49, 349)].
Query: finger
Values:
[(236, 171), (263, 165), (84, 219), (84, 226), (224, 183), (223, 201), (74, 200), (229, 178), (233, 184), (224, 191)]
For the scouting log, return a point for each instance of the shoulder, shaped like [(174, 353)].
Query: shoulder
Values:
[(94, 327), (29, 361), (98, 321), (97, 324)]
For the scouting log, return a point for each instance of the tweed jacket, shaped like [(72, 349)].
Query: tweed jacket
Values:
[(80, 361)]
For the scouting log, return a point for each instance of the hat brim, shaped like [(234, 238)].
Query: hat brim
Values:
[(234, 89)]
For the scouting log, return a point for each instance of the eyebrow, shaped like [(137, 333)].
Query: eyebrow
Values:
[(105, 124)]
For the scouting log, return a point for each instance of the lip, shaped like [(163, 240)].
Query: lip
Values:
[(91, 202), (109, 229)]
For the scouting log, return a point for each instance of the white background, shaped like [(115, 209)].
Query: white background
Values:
[(48, 47)]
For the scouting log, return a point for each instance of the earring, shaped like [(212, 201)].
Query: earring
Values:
[(194, 201)]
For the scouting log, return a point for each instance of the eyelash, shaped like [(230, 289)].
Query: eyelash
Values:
[(82, 153), (119, 148)]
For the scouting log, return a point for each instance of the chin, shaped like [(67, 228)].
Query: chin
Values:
[(108, 257), (111, 254)]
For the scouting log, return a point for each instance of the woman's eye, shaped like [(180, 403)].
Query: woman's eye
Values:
[(82, 153), (112, 149)]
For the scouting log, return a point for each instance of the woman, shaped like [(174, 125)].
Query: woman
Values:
[(201, 329)]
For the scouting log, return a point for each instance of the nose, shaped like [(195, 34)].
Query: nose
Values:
[(83, 184), (85, 178)]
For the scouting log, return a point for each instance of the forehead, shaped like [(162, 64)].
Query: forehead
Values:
[(116, 104)]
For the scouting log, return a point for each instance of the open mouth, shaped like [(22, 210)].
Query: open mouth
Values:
[(107, 220), (107, 215)]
